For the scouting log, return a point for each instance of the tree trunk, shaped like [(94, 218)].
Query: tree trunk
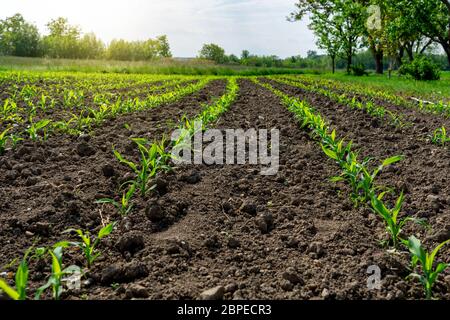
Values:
[(378, 56), (446, 47), (349, 63), (379, 61), (400, 55), (409, 51), (410, 54), (333, 64)]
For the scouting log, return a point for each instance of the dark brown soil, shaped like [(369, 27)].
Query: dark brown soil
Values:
[(289, 236)]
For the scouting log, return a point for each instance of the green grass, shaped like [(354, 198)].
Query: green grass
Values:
[(162, 66), (430, 90)]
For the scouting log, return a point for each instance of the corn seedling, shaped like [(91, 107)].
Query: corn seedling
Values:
[(87, 245), (440, 136), (56, 277), (9, 107), (15, 139), (366, 185), (426, 259), (35, 127), (153, 158), (357, 174), (101, 114), (21, 277), (21, 281), (3, 140), (390, 217), (125, 205), (43, 102)]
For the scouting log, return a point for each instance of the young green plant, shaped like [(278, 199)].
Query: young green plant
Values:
[(440, 136), (125, 205), (390, 217), (88, 245), (426, 260), (21, 277), (3, 140), (35, 127), (153, 158), (58, 272)]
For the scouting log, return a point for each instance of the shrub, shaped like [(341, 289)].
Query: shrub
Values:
[(359, 70), (421, 68)]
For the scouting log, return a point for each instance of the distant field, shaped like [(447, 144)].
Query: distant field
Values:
[(161, 66)]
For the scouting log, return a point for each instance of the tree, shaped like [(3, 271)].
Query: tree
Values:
[(138, 50), (163, 47), (343, 19), (62, 42), (213, 52), (327, 39), (245, 54), (90, 47), (431, 18), (233, 59), (18, 37)]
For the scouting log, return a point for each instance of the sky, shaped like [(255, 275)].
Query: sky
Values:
[(259, 26)]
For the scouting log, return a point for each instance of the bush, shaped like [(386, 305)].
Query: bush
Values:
[(421, 68), (359, 70)]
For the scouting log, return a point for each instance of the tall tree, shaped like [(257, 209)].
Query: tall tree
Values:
[(431, 18), (18, 37), (343, 20), (62, 42), (163, 47)]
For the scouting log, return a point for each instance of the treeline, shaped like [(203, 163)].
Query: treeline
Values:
[(398, 30), (312, 60), (21, 38)]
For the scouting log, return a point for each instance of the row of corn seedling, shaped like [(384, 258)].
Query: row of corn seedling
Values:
[(155, 157), (438, 137), (353, 102), (439, 107), (35, 100), (365, 190), (87, 119)]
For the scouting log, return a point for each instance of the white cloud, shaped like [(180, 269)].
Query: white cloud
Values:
[(257, 25)]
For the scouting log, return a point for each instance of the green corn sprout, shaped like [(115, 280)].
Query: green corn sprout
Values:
[(100, 114), (35, 127), (87, 245), (21, 277), (390, 217), (153, 158), (357, 174), (3, 140), (42, 102), (426, 260), (21, 282), (440, 136), (56, 277), (125, 205), (367, 179), (15, 139), (9, 107)]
